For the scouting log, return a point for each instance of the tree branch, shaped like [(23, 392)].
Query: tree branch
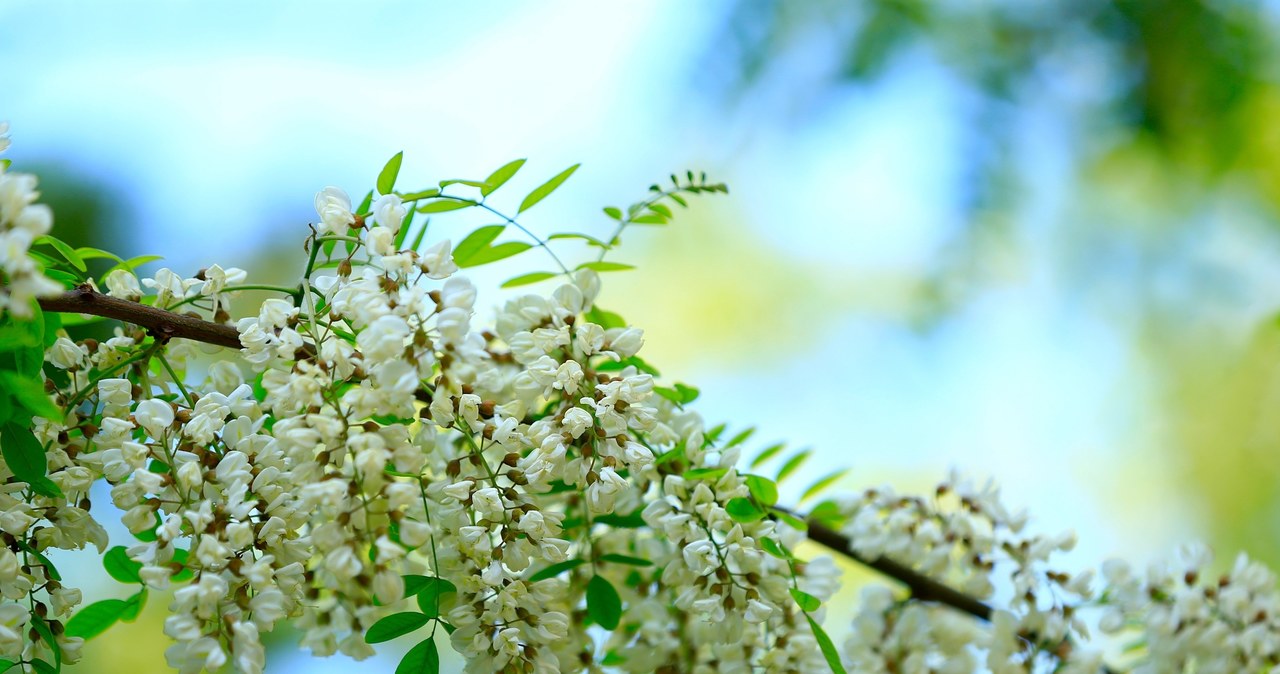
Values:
[(164, 325)]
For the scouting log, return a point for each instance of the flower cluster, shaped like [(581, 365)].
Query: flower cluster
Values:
[(1191, 620), (965, 537)]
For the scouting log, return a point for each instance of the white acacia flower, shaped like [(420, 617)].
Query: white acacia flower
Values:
[(334, 208), (389, 212)]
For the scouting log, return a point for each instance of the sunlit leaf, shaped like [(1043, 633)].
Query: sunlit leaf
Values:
[(493, 254), (526, 279), (387, 177), (546, 188), (822, 483), (500, 177), (606, 266), (476, 241)]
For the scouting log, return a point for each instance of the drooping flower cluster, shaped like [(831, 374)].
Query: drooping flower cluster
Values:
[(376, 461), (1190, 619), (965, 537)]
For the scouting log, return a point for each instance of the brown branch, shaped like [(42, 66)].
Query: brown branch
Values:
[(163, 325)]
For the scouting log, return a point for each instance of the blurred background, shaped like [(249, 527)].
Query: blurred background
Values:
[(1036, 241)]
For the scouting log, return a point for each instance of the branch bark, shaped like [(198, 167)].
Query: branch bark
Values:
[(164, 325)]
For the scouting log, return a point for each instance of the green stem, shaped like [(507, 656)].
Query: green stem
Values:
[(176, 379), (511, 221)]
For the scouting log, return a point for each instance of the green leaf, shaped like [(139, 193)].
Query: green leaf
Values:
[(31, 359), (556, 569), (807, 602), (792, 464), (763, 490), (445, 205), (526, 279), (493, 254), (134, 262), (30, 393), (774, 548), (429, 595), (793, 521), (133, 606), (149, 535), (365, 203), (402, 234), (414, 583), (546, 188), (613, 212), (603, 603), (423, 194), (120, 567), (591, 240), (768, 453), (49, 568), (422, 233), (63, 249), (634, 361), (605, 266), (95, 618), (25, 456), (476, 241), (650, 219), (824, 482), (387, 178), (681, 394), (395, 625), (500, 177), (43, 667), (740, 437), (46, 634), (461, 181), (604, 319), (828, 647), (421, 659), (629, 521), (625, 559), (744, 510), (705, 473), (15, 335), (87, 253), (6, 665), (180, 557)]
